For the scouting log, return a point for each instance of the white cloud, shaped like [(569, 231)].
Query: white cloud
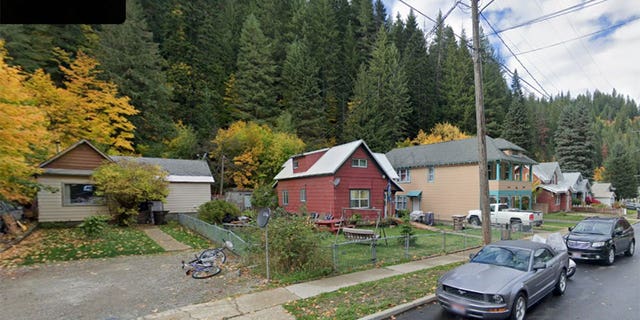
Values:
[(601, 62)]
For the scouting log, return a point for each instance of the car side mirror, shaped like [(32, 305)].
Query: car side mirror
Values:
[(617, 232), (539, 265), (471, 255), (570, 229)]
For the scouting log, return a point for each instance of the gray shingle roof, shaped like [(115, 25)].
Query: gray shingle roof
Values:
[(463, 151), (175, 167)]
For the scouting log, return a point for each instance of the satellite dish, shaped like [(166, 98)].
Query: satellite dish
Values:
[(336, 182), (263, 217)]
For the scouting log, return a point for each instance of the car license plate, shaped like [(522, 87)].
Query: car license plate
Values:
[(576, 255), (458, 308)]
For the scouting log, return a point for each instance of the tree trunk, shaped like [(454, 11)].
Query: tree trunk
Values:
[(12, 226)]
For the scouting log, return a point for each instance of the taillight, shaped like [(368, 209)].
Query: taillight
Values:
[(531, 217)]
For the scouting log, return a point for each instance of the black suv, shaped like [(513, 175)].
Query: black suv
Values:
[(596, 238)]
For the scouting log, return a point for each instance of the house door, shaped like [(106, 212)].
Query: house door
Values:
[(415, 204)]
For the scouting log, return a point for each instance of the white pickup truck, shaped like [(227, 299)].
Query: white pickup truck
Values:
[(502, 214)]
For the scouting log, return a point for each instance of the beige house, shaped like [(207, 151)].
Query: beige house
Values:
[(443, 178), (69, 193)]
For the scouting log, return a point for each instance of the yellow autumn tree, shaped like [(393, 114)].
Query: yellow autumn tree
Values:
[(598, 174), (22, 132), (96, 107), (255, 151), (441, 132)]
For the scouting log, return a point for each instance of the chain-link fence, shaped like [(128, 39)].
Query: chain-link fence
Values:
[(214, 232), (349, 255)]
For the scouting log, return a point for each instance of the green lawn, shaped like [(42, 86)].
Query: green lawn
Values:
[(60, 243), (368, 298)]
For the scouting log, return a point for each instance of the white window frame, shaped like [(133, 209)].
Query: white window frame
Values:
[(285, 197), (401, 202), (359, 198), (359, 163), (558, 196), (295, 164), (303, 195), (407, 175), (431, 174)]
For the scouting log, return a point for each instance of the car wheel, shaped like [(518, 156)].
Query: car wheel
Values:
[(631, 250), (519, 309), (561, 286), (611, 256), (474, 221)]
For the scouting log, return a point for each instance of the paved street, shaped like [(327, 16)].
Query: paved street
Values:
[(595, 292)]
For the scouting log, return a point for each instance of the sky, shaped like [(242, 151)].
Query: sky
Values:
[(577, 46)]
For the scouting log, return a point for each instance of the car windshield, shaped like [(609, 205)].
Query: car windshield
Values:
[(593, 227), (516, 258)]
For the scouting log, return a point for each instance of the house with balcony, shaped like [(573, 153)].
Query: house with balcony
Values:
[(443, 178), (339, 181)]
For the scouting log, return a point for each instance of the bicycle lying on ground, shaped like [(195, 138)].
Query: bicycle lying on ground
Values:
[(207, 263)]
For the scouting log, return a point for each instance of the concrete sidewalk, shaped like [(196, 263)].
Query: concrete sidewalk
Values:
[(164, 240), (268, 304)]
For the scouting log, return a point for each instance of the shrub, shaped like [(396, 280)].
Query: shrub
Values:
[(293, 247), (215, 211), (406, 231), (93, 226)]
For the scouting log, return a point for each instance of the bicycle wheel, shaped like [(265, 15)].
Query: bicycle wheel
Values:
[(217, 256), (203, 272)]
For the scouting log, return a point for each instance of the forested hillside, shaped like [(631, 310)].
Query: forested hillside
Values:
[(178, 73)]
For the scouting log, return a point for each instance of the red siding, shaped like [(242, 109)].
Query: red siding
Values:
[(550, 199), (323, 197), (306, 161)]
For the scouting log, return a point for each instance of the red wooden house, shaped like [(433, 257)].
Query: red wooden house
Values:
[(339, 181)]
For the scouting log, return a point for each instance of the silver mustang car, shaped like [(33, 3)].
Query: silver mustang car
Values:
[(503, 279)]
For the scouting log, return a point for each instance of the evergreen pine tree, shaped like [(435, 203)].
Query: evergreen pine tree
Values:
[(131, 59), (301, 96), (517, 127), (618, 167), (574, 147), (380, 107), (255, 77)]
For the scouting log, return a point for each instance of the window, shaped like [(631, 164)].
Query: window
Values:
[(401, 202), (303, 195), (542, 255), (359, 198), (285, 197), (431, 175), (359, 163), (295, 164), (80, 195), (404, 175), (557, 196)]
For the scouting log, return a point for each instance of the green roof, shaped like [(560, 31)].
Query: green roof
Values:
[(414, 193), (463, 151)]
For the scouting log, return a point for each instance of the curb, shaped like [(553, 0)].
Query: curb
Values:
[(386, 314)]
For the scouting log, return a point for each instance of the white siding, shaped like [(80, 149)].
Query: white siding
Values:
[(50, 205), (187, 197)]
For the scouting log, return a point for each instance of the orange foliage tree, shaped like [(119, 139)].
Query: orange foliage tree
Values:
[(22, 132), (257, 153), (97, 107)]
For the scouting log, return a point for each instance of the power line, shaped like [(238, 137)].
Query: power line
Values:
[(543, 92), (512, 53), (580, 6), (580, 37)]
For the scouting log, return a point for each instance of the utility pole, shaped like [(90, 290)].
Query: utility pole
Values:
[(480, 127), (221, 175)]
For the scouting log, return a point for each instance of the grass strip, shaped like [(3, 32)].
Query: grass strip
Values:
[(371, 297), (185, 235)]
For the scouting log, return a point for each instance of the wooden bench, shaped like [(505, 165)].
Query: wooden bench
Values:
[(359, 234)]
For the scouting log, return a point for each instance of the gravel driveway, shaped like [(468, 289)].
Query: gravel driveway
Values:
[(113, 288)]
